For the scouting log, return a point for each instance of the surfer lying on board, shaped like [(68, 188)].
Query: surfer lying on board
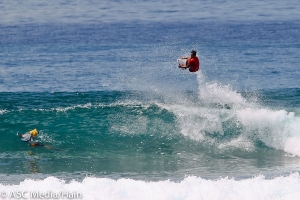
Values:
[(30, 137), (192, 62)]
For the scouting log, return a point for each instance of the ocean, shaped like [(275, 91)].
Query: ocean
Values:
[(120, 120)]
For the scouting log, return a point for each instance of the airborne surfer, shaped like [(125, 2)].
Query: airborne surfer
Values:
[(192, 62)]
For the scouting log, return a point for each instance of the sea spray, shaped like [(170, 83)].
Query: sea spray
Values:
[(223, 113)]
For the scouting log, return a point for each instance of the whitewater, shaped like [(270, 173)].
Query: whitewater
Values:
[(216, 105), (189, 188)]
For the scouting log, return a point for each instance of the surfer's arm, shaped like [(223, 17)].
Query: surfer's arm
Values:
[(187, 63)]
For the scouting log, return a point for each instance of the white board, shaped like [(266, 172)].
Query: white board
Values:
[(181, 62)]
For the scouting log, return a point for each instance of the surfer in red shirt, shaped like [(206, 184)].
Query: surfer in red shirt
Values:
[(192, 62)]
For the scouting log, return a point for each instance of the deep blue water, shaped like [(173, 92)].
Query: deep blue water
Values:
[(100, 81), (53, 57)]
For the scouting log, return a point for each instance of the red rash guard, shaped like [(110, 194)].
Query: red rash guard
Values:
[(194, 64)]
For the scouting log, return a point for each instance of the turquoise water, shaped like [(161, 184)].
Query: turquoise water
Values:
[(121, 121), (124, 134)]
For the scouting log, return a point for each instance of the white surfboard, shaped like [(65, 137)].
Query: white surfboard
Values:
[(182, 62)]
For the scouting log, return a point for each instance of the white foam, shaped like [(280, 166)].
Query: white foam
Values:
[(278, 129), (87, 105), (3, 111), (240, 142), (196, 121), (292, 145), (275, 128), (189, 188), (217, 93)]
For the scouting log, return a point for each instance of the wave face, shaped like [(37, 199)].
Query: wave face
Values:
[(149, 135)]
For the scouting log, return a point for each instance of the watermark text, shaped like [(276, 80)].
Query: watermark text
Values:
[(18, 194)]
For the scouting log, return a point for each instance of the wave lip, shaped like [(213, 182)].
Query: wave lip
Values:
[(225, 119), (277, 129)]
